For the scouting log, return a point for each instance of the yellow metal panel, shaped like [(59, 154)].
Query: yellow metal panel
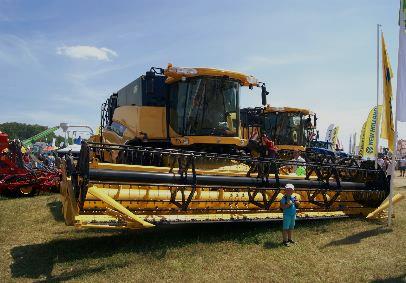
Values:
[(189, 140), (290, 147), (287, 109), (112, 137), (142, 119), (176, 73)]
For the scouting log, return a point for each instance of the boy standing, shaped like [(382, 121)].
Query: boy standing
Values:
[(288, 203)]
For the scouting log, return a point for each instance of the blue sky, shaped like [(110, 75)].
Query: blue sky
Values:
[(60, 60)]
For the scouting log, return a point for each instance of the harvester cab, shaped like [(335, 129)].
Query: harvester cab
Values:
[(194, 108), (289, 128)]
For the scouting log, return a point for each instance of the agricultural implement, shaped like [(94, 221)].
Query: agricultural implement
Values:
[(170, 151), (16, 178)]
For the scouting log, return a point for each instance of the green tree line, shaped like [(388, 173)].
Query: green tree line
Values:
[(24, 131)]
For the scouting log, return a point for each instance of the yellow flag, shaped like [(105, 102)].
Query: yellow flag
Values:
[(361, 141), (388, 130), (369, 150), (335, 137)]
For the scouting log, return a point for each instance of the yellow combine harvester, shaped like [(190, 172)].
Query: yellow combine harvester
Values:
[(290, 128), (171, 150)]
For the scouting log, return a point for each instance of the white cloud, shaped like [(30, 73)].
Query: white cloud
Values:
[(87, 52)]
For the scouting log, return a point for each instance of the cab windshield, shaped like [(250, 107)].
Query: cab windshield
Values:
[(204, 106), (288, 128)]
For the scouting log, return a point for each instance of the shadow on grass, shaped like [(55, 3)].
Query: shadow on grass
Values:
[(357, 238), (401, 278), (55, 208), (38, 260), (6, 195), (271, 244), (74, 273)]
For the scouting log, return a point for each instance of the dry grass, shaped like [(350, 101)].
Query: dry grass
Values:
[(36, 245)]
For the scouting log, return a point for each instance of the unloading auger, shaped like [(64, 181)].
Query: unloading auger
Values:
[(152, 186)]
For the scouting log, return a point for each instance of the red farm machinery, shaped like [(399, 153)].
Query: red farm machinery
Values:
[(18, 177)]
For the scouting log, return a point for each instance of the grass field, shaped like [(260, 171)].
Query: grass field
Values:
[(36, 245)]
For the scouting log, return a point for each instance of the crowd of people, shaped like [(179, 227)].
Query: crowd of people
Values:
[(42, 160), (385, 162)]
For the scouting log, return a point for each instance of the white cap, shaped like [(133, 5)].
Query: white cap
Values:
[(289, 186)]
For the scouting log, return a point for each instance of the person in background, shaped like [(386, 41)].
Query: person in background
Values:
[(389, 168), (402, 166), (270, 150), (51, 160), (288, 204), (297, 159), (381, 162), (58, 161), (254, 146)]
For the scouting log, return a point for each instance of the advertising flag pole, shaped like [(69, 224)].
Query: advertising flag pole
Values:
[(378, 27)]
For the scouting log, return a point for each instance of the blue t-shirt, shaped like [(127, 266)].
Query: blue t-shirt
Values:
[(289, 210)]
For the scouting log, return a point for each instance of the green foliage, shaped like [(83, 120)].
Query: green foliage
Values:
[(21, 131), (24, 131)]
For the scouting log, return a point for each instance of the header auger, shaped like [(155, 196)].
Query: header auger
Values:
[(171, 149)]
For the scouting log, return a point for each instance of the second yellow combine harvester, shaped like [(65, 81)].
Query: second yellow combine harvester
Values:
[(171, 150)]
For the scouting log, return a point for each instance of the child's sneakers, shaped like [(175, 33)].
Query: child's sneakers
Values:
[(288, 242)]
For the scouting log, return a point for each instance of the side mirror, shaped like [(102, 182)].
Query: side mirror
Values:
[(315, 120), (264, 93)]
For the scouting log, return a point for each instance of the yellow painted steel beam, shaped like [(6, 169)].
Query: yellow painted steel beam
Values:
[(290, 147), (398, 197), (125, 192), (117, 206), (110, 222), (189, 140)]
